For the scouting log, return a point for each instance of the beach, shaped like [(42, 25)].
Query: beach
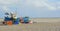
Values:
[(42, 24)]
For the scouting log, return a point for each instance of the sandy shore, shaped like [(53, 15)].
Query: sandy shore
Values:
[(40, 26), (32, 27)]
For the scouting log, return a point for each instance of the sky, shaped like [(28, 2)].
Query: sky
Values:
[(31, 8)]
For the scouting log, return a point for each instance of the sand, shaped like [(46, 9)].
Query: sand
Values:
[(39, 26)]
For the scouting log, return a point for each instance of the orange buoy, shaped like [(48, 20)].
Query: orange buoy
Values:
[(9, 22)]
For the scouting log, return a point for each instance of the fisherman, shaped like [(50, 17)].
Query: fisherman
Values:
[(13, 17)]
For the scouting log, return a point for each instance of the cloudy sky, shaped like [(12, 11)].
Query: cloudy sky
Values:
[(31, 8)]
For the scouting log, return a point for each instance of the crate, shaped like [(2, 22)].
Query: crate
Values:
[(7, 19), (17, 21), (26, 19), (9, 23)]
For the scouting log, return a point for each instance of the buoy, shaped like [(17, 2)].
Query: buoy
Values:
[(4, 23)]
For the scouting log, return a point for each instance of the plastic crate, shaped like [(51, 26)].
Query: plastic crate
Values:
[(9, 23), (17, 21)]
